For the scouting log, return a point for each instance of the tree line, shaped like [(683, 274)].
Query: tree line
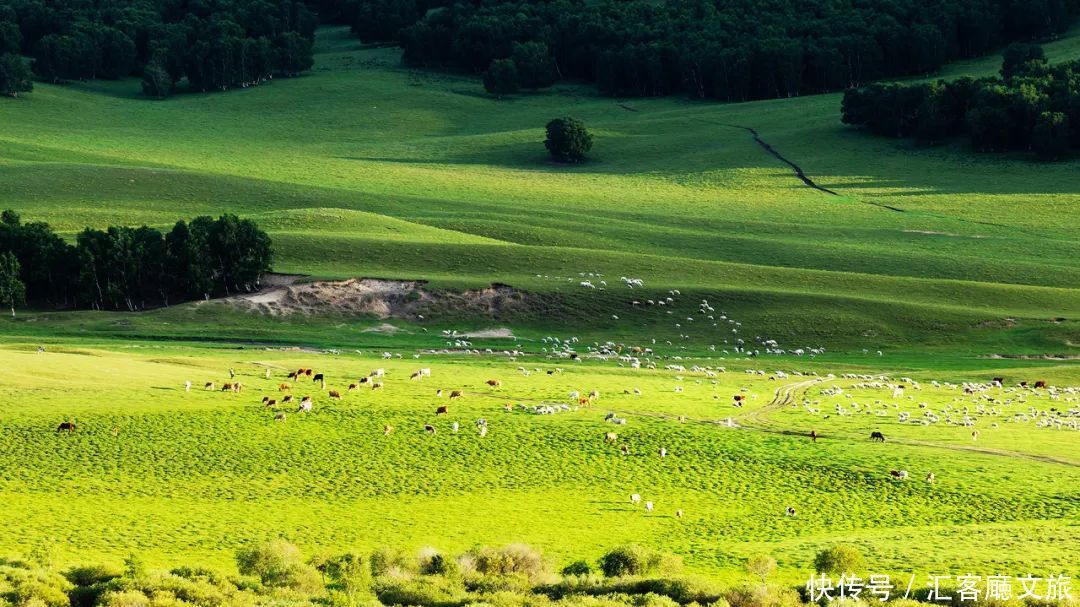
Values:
[(732, 50), (209, 45), (1032, 106), (126, 268)]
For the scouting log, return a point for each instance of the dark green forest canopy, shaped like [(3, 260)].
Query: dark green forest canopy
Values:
[(1033, 106), (722, 49), (209, 44)]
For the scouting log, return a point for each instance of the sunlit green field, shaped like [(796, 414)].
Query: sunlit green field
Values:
[(190, 476), (367, 168)]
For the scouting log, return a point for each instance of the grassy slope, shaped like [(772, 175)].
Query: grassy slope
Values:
[(190, 476), (367, 168)]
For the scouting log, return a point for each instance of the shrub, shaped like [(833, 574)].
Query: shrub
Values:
[(277, 563), (577, 568), (426, 590), (501, 77), (839, 559), (567, 139), (635, 560), (387, 561), (511, 559)]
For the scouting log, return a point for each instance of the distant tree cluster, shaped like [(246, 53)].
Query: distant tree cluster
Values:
[(124, 268), (731, 50), (212, 45), (1032, 106)]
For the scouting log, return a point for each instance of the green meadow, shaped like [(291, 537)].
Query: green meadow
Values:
[(929, 262)]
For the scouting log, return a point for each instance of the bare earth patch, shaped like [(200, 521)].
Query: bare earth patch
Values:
[(408, 299)]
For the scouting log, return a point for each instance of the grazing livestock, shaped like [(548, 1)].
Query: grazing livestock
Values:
[(286, 399), (429, 429), (930, 477), (624, 449), (789, 511), (387, 429), (377, 373), (305, 405), (284, 387), (611, 437), (494, 383), (635, 498), (65, 427), (318, 377), (442, 410), (975, 435), (899, 474), (998, 381), (363, 380), (416, 376), (208, 385), (280, 417), (353, 386), (1041, 383), (376, 385), (187, 386), (334, 394), (679, 513), (813, 435), (648, 506), (662, 452), (456, 394), (877, 436), (584, 402)]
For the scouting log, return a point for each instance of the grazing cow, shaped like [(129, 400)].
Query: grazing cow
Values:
[(611, 437), (353, 386), (877, 436), (662, 452), (416, 376), (999, 381), (238, 387), (584, 402), (443, 410), (286, 399), (975, 435), (494, 383), (226, 387), (624, 449), (1041, 383), (594, 395), (334, 394), (364, 380), (65, 427), (930, 477), (376, 385), (429, 429), (270, 402), (456, 394), (280, 417), (1023, 384), (508, 407), (305, 405), (678, 513), (377, 373), (789, 511), (635, 498), (899, 474), (483, 431), (425, 372), (387, 429), (308, 372), (648, 506), (284, 387), (454, 427), (208, 386), (813, 435)]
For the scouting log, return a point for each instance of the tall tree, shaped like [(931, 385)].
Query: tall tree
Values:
[(12, 289)]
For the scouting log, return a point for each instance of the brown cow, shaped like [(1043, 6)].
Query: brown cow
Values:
[(456, 394), (208, 385), (1041, 383), (376, 385), (287, 399), (442, 410), (584, 402), (354, 386), (270, 402), (335, 394), (494, 383), (65, 427), (283, 387), (364, 380), (308, 372), (226, 387)]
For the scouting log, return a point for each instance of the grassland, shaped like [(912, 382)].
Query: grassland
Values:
[(366, 168), (942, 259)]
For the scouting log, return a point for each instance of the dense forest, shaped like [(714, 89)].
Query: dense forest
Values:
[(1032, 106), (207, 44), (124, 268), (732, 50)]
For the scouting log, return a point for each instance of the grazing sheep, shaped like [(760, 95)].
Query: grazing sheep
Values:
[(187, 386), (454, 427), (679, 513), (416, 376), (483, 431), (663, 452), (635, 498), (648, 506), (611, 437)]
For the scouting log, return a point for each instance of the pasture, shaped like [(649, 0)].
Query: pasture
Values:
[(160, 471)]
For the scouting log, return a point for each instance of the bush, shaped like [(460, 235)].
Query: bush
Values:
[(567, 139), (391, 561), (501, 78), (277, 563), (512, 559), (577, 568), (426, 590), (839, 560)]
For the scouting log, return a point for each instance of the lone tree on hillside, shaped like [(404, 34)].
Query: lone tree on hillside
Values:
[(567, 139), (839, 560), (501, 78), (12, 289)]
